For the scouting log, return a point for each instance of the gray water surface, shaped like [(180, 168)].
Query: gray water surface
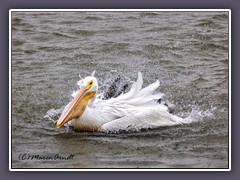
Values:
[(186, 51)]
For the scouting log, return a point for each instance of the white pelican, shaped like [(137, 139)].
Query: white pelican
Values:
[(134, 110)]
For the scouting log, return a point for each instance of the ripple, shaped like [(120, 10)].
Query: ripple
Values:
[(83, 56), (16, 21), (149, 14), (212, 47), (55, 48), (112, 46), (161, 29), (205, 37), (114, 30), (95, 18), (29, 52), (205, 23), (225, 61), (18, 42), (19, 62), (155, 47), (220, 17), (59, 34), (199, 80), (131, 17), (83, 32)]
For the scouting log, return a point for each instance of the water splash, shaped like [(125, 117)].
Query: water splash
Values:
[(197, 114), (54, 114)]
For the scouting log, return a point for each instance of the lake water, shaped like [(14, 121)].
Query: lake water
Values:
[(186, 51)]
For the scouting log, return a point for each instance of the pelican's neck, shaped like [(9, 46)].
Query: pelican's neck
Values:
[(90, 120), (91, 101)]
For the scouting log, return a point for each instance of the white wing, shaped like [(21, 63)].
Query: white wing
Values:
[(150, 117)]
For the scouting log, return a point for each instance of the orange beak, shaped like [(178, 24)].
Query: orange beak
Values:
[(76, 107)]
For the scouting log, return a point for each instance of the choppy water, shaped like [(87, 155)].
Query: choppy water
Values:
[(186, 51)]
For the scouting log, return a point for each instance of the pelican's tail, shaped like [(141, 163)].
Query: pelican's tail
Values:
[(137, 95), (135, 89)]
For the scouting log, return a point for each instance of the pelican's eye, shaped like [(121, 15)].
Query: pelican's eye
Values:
[(89, 84)]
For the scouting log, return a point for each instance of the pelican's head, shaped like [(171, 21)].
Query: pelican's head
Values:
[(87, 92)]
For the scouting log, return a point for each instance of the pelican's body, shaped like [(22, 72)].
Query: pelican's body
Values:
[(136, 109)]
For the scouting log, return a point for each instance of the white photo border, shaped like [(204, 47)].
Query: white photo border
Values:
[(118, 10)]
